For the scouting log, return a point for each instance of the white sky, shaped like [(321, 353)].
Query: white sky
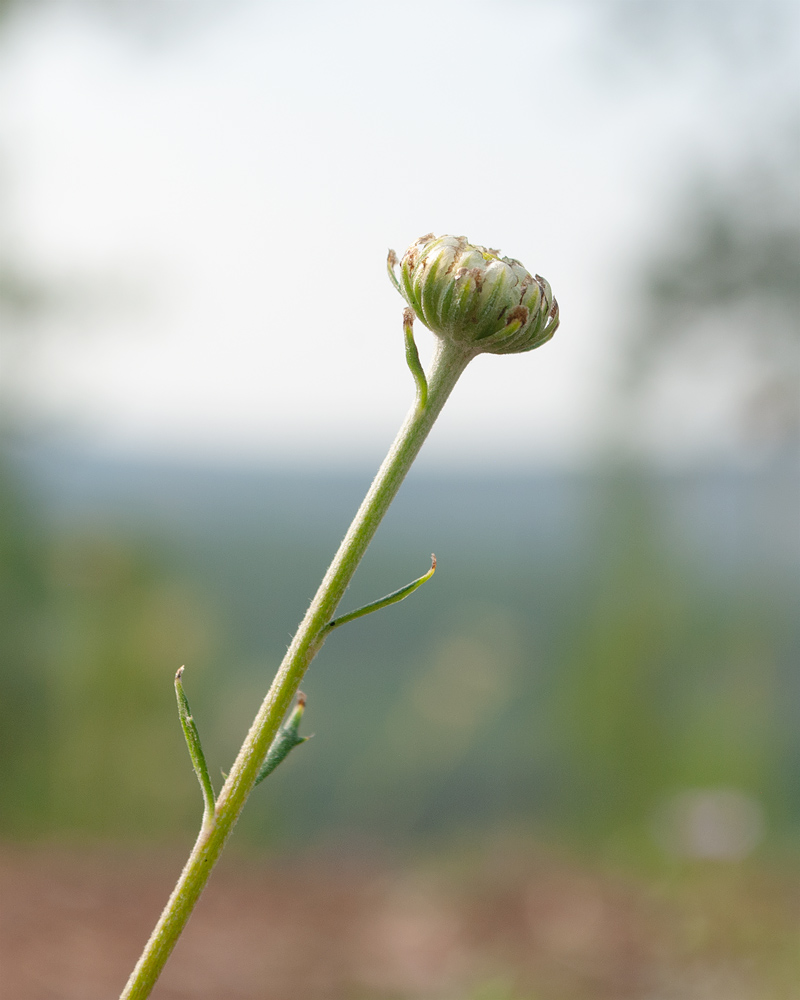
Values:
[(226, 197)]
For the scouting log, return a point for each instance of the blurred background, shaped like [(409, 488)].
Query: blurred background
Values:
[(570, 766)]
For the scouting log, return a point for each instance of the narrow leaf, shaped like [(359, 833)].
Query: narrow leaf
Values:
[(194, 745), (412, 358), (384, 602), (286, 739)]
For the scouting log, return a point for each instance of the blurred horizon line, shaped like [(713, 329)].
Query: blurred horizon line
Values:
[(28, 445)]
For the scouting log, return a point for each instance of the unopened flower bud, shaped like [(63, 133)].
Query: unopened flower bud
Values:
[(473, 296)]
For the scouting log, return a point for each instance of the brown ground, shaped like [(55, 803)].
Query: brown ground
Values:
[(513, 927)]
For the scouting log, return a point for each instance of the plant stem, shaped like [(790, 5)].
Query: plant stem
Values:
[(448, 364)]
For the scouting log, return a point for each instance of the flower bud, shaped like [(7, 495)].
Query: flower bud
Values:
[(473, 296)]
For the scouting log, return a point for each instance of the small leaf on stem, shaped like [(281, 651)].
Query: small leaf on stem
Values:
[(412, 358), (384, 602), (286, 740), (195, 746)]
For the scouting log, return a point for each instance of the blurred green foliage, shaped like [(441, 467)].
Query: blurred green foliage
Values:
[(88, 620), (612, 640), (23, 682)]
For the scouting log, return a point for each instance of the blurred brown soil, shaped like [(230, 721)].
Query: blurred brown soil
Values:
[(510, 927)]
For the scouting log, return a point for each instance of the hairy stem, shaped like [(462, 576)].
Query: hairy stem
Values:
[(448, 364)]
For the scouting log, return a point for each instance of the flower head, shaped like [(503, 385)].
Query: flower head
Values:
[(473, 296)]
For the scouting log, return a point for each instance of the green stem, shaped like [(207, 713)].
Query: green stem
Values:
[(448, 364)]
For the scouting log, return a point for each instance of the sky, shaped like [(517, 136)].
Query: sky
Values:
[(214, 204)]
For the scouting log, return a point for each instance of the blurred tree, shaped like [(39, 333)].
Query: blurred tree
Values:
[(147, 20), (736, 34), (721, 311), (24, 707), (83, 690), (118, 622), (718, 331), (670, 678), (92, 629)]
